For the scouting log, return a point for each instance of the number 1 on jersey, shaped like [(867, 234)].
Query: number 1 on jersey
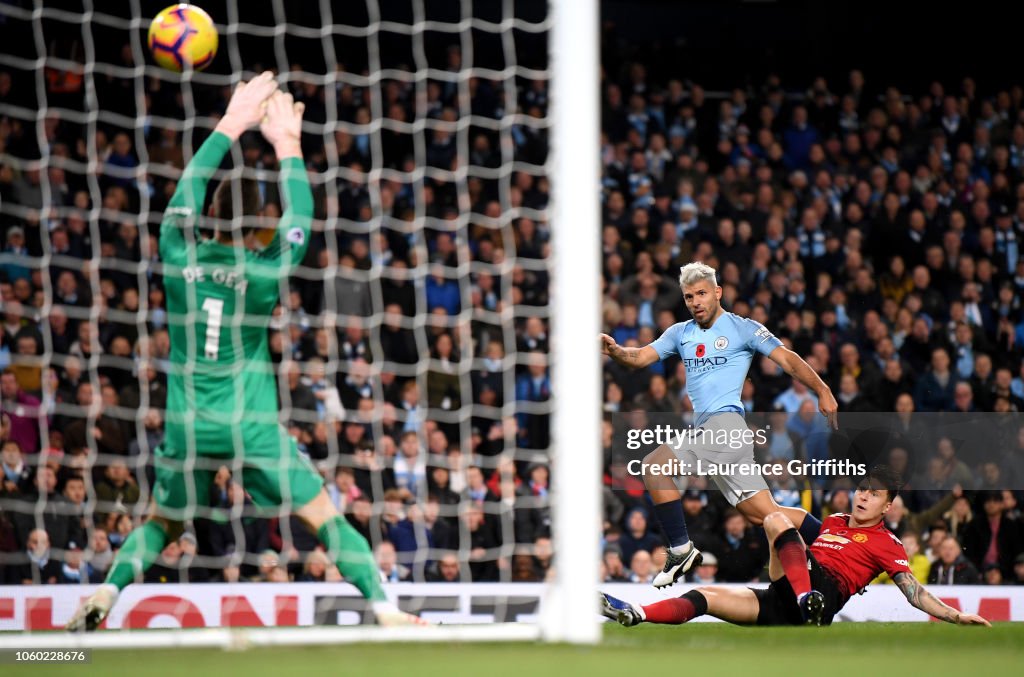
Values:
[(214, 316)]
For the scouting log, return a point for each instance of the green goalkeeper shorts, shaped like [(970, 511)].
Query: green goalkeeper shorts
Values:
[(272, 475)]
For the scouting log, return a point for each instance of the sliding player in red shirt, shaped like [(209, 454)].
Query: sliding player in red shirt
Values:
[(809, 585)]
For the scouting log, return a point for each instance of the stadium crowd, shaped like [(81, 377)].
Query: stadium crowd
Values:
[(874, 231)]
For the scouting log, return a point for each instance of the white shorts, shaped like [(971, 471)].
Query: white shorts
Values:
[(710, 449)]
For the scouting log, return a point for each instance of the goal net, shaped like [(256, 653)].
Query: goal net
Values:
[(435, 351)]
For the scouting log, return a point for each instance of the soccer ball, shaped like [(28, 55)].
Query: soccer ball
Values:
[(183, 36)]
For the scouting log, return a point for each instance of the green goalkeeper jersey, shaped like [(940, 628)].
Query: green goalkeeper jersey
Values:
[(222, 391)]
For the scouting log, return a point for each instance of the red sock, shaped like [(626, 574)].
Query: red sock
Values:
[(672, 611), (793, 558)]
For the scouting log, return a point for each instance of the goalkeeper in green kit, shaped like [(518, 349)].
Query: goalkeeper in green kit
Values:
[(222, 394)]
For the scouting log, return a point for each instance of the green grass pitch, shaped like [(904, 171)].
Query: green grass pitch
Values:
[(700, 649)]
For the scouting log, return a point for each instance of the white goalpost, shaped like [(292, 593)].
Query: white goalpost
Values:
[(575, 172), (562, 608)]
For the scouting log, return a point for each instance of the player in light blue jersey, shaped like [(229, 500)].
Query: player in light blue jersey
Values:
[(717, 348)]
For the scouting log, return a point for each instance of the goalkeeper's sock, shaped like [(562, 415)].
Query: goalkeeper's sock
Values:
[(138, 553), (673, 525), (349, 550), (676, 611), (810, 528), (793, 558)]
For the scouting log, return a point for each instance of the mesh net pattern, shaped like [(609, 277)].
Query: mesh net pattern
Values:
[(421, 306)]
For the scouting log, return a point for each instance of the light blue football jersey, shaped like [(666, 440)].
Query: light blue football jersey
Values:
[(717, 359)]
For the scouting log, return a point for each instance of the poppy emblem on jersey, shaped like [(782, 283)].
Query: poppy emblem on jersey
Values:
[(721, 343), (860, 538), (700, 350)]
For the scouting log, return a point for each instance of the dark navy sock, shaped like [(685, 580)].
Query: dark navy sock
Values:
[(809, 529), (673, 523)]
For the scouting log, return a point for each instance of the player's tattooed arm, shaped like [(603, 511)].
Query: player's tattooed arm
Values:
[(636, 358), (922, 599), (919, 597)]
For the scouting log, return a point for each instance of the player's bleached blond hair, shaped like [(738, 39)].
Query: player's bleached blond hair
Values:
[(692, 273)]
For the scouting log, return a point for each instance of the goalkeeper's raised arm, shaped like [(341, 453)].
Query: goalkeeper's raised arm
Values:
[(282, 128), (245, 110)]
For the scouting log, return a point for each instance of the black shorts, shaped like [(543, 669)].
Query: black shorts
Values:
[(778, 601)]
